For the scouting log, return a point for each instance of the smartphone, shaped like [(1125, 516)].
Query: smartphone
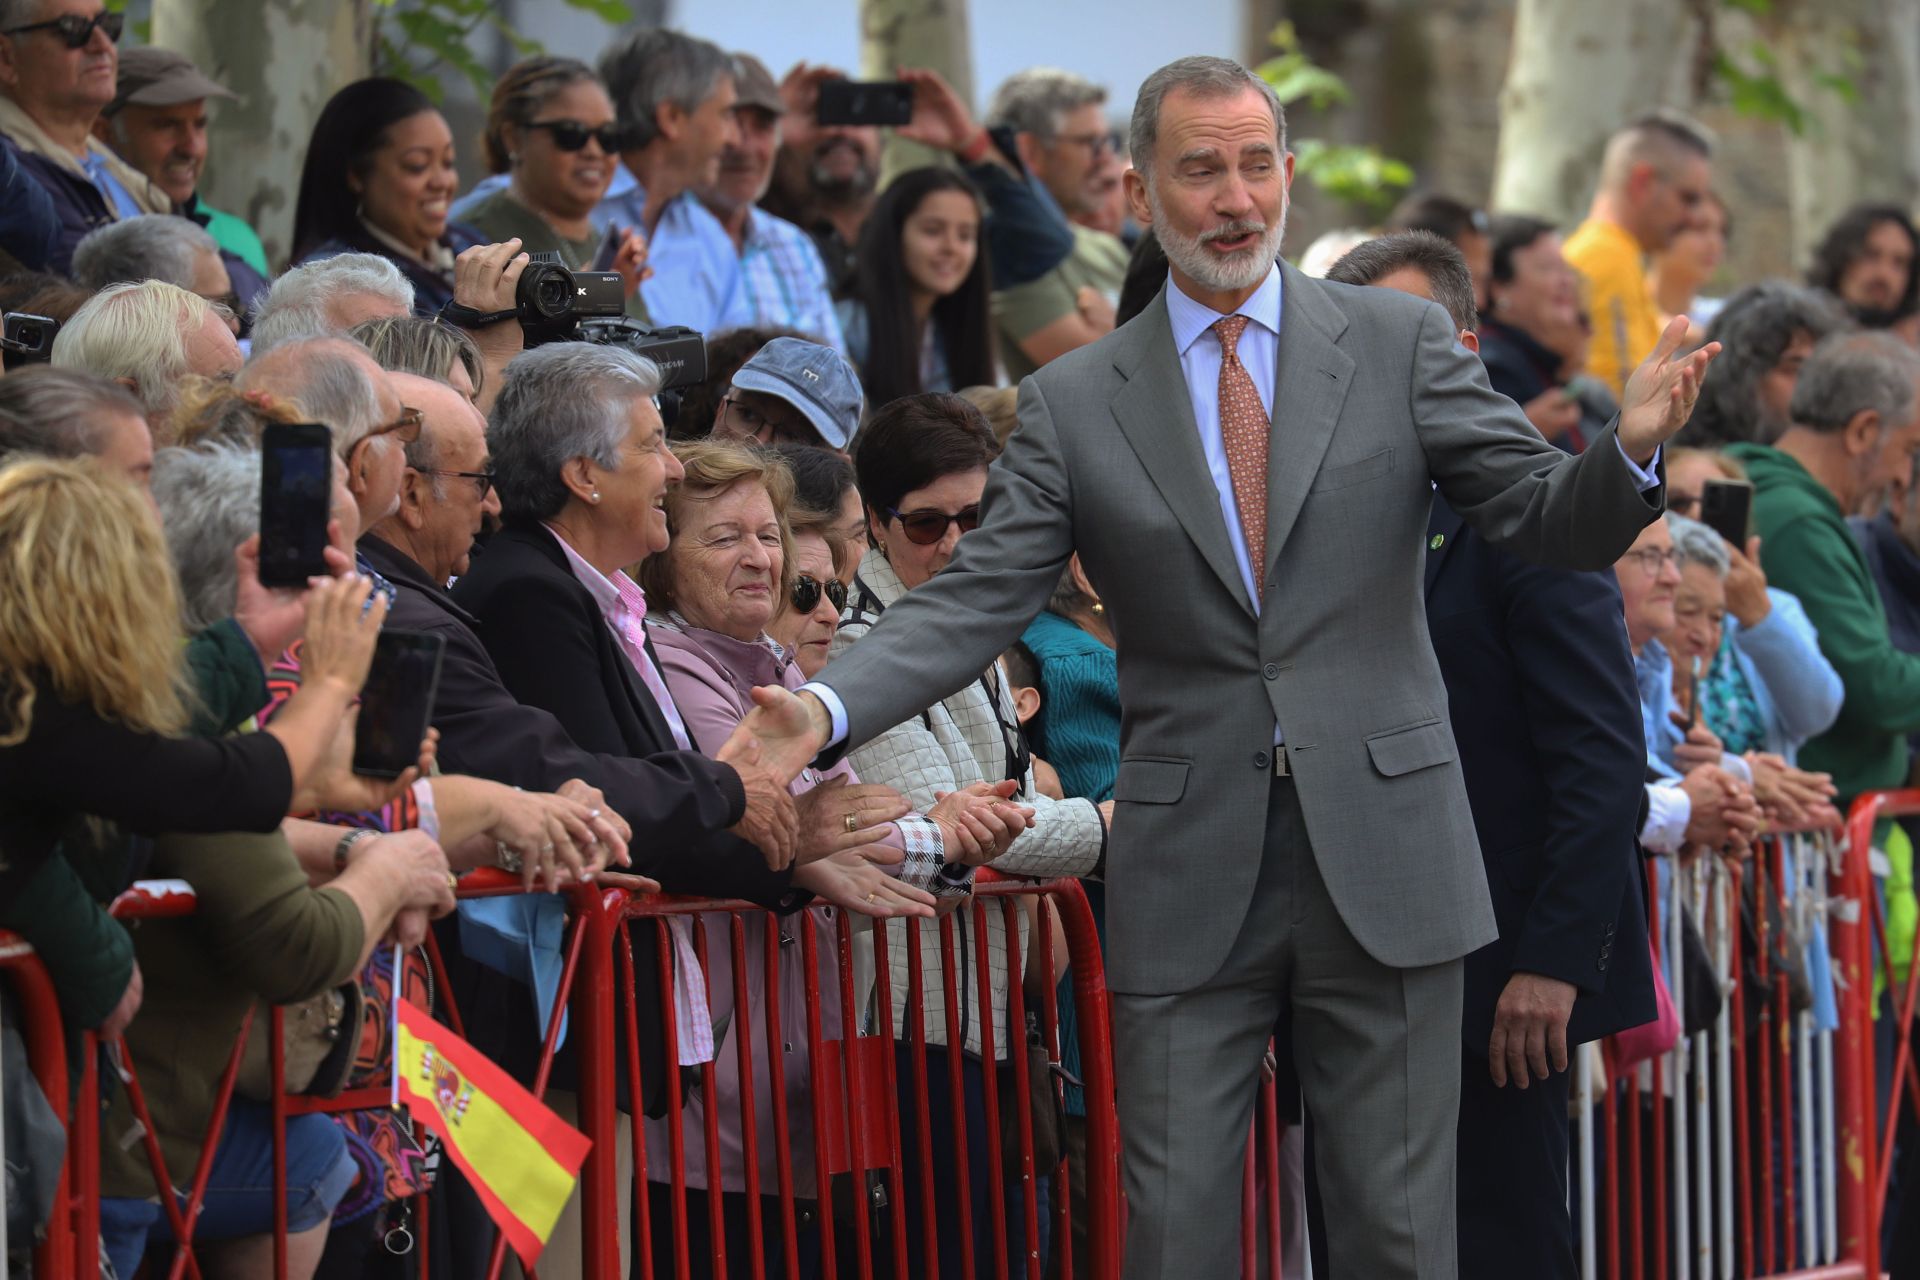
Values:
[(609, 248), (396, 703), (296, 501), (864, 102), (1724, 508)]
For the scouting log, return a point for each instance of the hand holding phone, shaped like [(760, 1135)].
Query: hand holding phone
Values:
[(887, 103), (1725, 506)]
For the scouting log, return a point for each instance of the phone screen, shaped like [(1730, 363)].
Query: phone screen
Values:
[(864, 102), (1724, 508), (396, 703), (296, 498)]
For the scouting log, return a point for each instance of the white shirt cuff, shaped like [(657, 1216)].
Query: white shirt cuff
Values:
[(836, 710), (1647, 477), (1669, 810), (1737, 766)]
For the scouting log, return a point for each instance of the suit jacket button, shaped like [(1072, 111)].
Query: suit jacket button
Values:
[(1261, 760), (1271, 671)]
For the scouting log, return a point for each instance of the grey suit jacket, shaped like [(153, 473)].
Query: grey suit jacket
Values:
[(1374, 401)]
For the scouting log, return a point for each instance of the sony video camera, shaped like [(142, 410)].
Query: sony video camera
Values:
[(559, 305)]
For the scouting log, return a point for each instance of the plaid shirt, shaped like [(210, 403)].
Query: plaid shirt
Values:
[(784, 280)]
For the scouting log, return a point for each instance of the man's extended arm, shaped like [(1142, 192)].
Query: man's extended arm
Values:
[(944, 633)]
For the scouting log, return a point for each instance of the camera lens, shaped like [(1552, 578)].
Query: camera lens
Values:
[(545, 291)]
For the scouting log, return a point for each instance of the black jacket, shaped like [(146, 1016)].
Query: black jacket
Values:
[(499, 718), (1546, 715)]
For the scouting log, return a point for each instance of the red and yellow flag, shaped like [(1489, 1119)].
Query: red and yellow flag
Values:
[(521, 1158)]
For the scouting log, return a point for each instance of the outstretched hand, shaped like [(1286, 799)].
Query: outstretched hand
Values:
[(1661, 392), (788, 729)]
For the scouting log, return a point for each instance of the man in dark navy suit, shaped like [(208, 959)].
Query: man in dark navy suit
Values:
[(1546, 716)]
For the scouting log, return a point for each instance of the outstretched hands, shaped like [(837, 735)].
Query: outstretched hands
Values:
[(1660, 393)]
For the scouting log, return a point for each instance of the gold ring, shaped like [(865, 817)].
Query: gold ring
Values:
[(871, 897), (453, 883), (853, 824)]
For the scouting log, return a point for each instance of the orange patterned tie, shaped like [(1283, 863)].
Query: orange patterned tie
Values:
[(1243, 430)]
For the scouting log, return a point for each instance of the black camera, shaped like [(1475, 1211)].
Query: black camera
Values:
[(559, 305), (28, 339)]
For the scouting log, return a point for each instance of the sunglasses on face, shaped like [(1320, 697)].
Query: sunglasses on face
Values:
[(73, 30), (928, 527), (808, 589), (571, 135)]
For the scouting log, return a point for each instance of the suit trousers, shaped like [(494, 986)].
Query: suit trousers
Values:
[(1378, 1055), (1513, 1176)]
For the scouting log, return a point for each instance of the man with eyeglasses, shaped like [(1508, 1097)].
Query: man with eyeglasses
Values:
[(59, 63), (1653, 184), (792, 392), (1062, 135), (446, 490)]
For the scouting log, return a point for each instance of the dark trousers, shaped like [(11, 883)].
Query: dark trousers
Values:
[(1513, 1177), (740, 1245)]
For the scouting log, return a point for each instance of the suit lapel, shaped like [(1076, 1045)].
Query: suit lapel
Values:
[(1157, 419), (1310, 385), (1445, 525)]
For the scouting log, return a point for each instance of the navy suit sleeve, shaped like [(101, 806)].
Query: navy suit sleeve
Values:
[(29, 226), (1583, 713)]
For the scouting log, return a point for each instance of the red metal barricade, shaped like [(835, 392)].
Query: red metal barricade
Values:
[(1745, 1150)]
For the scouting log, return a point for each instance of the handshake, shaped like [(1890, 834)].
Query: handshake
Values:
[(835, 833)]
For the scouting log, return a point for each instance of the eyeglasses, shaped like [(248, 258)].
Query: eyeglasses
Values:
[(571, 135), (807, 591), (483, 479), (749, 421), (1653, 559), (1097, 144), (405, 428), (928, 527), (74, 30)]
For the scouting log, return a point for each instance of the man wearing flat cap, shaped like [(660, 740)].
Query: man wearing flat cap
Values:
[(157, 122)]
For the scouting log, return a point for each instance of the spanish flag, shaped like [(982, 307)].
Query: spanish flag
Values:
[(521, 1158)]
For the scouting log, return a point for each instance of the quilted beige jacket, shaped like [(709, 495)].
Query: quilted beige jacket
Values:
[(964, 739)]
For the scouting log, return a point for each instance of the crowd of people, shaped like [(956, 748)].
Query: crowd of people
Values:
[(615, 566)]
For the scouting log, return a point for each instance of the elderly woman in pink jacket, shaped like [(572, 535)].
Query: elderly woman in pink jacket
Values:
[(729, 572)]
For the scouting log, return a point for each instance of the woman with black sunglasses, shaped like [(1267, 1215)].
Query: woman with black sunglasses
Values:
[(553, 147), (922, 467)]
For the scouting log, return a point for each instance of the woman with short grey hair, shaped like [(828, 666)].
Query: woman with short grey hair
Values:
[(564, 409), (427, 347)]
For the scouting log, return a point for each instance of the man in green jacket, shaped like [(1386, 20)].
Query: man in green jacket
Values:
[(1856, 429)]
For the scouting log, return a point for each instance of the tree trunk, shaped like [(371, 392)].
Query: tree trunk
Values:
[(1579, 70), (916, 33), (284, 58), (1849, 151)]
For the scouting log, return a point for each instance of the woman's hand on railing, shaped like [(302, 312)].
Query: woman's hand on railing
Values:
[(122, 1014), (559, 838), (857, 883)]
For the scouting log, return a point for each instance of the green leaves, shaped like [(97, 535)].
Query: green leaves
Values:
[(415, 39), (1360, 175)]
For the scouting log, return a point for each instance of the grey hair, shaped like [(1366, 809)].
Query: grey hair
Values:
[(559, 402), (209, 499), (1037, 100), (137, 332), (299, 305), (57, 413), (17, 13), (155, 246), (323, 379), (1698, 544), (1754, 329), (654, 67), (1203, 77), (420, 345), (1850, 373)]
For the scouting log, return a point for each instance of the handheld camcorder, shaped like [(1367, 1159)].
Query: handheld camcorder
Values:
[(559, 305)]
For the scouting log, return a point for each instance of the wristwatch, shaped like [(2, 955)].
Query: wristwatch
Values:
[(345, 843)]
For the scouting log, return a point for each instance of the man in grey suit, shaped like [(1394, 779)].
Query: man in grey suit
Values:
[(1246, 470)]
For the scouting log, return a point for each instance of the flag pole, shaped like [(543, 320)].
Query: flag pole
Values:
[(393, 1031)]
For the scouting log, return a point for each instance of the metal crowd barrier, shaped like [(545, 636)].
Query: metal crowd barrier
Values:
[(1744, 1151)]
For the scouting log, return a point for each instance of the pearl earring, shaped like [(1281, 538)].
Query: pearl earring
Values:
[(595, 497)]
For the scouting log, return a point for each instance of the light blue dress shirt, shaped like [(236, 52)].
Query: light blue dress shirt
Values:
[(1199, 347), (696, 273)]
